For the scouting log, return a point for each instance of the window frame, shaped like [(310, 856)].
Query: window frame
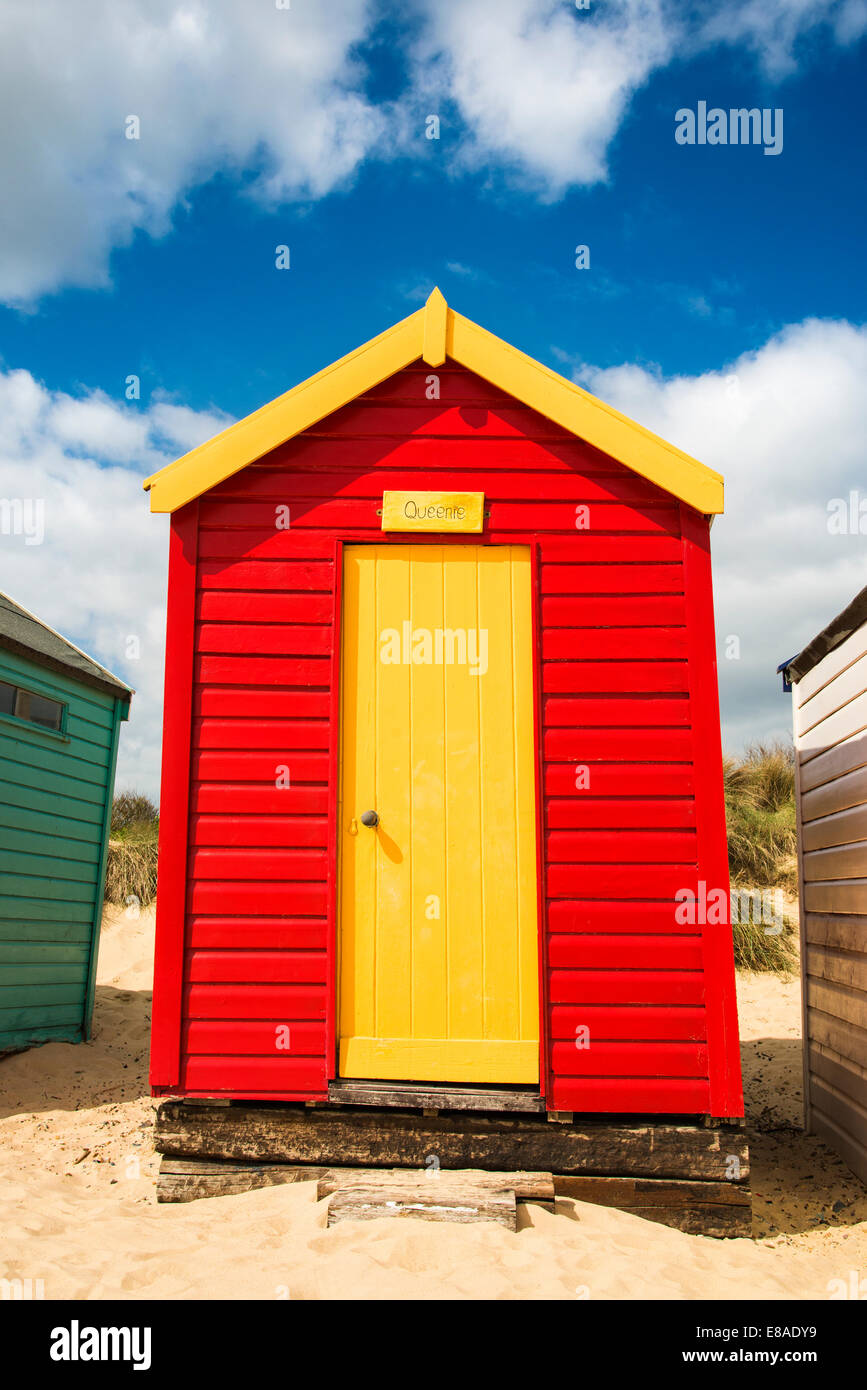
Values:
[(19, 720)]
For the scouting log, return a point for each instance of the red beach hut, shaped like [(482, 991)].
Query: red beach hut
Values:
[(441, 757)]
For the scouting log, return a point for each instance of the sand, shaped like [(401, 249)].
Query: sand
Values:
[(78, 1209)]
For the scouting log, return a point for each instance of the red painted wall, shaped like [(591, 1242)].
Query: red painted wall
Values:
[(627, 688)]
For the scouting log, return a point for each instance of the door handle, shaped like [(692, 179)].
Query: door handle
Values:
[(370, 819)]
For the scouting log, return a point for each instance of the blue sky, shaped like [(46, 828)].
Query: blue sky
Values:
[(723, 306), (696, 254)]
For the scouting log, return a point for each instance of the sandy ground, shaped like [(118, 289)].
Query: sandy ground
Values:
[(78, 1210)]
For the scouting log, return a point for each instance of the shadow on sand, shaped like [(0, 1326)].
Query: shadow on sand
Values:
[(109, 1069)]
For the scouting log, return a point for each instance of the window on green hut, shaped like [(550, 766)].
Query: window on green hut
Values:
[(26, 704)]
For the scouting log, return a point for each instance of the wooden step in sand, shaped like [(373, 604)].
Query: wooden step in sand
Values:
[(427, 1199)]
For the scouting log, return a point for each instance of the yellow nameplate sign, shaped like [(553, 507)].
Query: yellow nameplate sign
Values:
[(433, 511)]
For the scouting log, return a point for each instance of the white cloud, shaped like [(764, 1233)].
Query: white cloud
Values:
[(276, 99), (99, 575), (183, 427), (785, 425), (773, 29), (544, 88), (94, 425), (541, 88), (217, 86)]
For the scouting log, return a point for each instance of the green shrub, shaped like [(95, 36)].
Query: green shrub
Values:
[(133, 812)]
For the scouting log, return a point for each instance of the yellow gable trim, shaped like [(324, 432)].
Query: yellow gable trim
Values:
[(257, 434), (433, 334), (584, 415)]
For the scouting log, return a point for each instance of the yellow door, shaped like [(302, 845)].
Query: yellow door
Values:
[(438, 949)]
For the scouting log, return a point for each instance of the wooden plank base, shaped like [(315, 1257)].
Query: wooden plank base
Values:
[(414, 1096), (341, 1136), (700, 1208), (673, 1174), (527, 1187), (187, 1179)]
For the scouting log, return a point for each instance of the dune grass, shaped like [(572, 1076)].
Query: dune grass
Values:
[(762, 845), (760, 817), (755, 950), (131, 867)]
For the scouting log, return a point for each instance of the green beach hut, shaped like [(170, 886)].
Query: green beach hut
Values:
[(60, 717)]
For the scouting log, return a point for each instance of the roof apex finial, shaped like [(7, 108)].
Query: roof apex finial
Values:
[(436, 317)]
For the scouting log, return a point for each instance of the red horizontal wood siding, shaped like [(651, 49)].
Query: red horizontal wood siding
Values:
[(626, 987)]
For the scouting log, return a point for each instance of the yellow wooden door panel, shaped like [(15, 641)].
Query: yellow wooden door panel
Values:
[(441, 1059), (438, 947)]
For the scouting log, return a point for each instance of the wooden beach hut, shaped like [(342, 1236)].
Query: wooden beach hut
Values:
[(829, 686), (442, 805), (442, 743), (60, 717)]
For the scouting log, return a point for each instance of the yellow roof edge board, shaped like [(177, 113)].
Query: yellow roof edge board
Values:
[(584, 415), (432, 334), (296, 410)]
